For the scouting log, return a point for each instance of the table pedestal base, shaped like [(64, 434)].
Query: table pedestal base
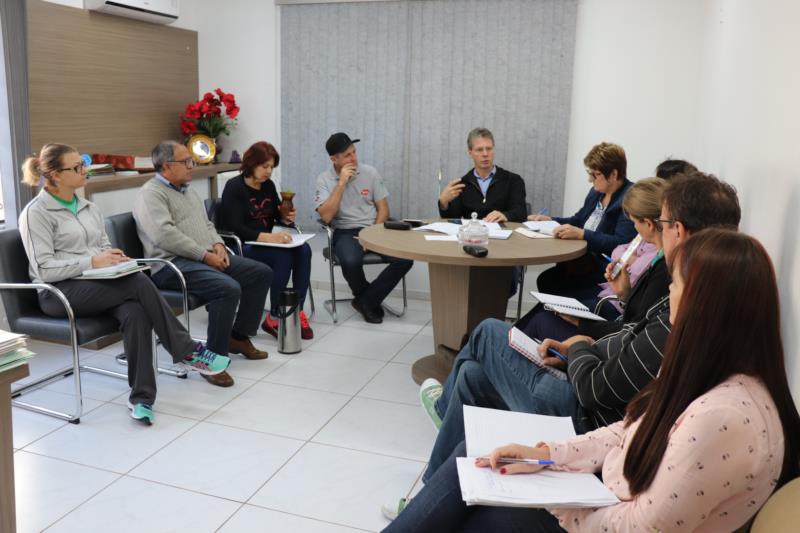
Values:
[(461, 297)]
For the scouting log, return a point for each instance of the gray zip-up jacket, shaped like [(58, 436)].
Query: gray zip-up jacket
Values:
[(59, 244)]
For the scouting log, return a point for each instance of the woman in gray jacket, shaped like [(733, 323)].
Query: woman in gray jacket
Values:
[(63, 236)]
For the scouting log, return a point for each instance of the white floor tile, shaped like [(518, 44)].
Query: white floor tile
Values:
[(280, 410), (255, 370), (337, 485), (420, 346), (31, 429), (411, 323), (47, 489), (394, 384), (110, 439), (363, 342), (381, 427), (326, 372), (250, 518), (95, 386), (29, 426), (134, 505), (220, 461)]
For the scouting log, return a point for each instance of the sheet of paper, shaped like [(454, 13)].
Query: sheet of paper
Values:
[(501, 234), (449, 238), (297, 240), (542, 226), (533, 234), (440, 227), (486, 429)]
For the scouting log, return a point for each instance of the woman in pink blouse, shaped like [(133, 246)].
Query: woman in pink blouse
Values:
[(701, 448)]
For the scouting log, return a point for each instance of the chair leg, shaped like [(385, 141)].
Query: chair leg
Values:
[(520, 290), (389, 308), (311, 300), (330, 305), (173, 370)]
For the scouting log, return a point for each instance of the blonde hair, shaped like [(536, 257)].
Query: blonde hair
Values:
[(643, 199), (607, 157), (49, 159)]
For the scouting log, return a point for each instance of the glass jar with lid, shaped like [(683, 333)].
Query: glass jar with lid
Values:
[(473, 233)]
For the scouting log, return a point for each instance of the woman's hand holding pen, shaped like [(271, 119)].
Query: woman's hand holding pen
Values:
[(540, 452), (109, 257), (621, 285), (553, 353)]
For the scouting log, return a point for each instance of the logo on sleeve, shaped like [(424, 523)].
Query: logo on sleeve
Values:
[(365, 193)]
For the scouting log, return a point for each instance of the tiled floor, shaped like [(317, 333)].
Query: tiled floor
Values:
[(313, 442)]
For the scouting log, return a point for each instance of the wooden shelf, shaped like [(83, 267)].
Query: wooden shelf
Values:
[(116, 182)]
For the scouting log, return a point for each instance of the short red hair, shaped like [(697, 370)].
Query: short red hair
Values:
[(258, 154)]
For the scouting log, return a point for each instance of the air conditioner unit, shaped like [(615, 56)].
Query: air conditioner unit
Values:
[(155, 11)]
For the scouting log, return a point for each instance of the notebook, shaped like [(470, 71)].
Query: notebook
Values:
[(486, 429), (524, 344), (565, 306), (114, 271), (297, 240), (542, 226)]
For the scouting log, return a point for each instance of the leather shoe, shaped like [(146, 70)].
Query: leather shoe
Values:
[(246, 348), (368, 313), (223, 379)]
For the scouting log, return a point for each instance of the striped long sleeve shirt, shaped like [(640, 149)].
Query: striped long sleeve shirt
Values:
[(606, 375)]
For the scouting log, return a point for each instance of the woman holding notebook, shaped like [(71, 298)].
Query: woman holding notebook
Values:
[(64, 237), (701, 448), (251, 209)]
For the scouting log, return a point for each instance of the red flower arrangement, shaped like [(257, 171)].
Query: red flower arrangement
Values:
[(205, 115)]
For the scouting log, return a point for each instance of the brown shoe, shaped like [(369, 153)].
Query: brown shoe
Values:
[(246, 348), (223, 379)]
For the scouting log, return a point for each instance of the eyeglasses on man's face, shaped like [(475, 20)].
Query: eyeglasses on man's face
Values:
[(77, 169), (661, 221), (188, 162)]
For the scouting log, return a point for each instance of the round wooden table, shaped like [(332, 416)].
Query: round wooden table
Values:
[(464, 289)]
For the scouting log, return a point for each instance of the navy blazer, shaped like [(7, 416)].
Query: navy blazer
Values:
[(506, 194), (614, 228)]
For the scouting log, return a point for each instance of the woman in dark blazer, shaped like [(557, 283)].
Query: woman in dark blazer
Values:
[(600, 222), (250, 209)]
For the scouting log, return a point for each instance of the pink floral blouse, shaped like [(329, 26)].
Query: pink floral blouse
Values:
[(723, 460)]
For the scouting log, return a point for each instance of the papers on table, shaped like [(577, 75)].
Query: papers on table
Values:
[(448, 228), (542, 226), (486, 429), (297, 240), (12, 350), (449, 238), (114, 271), (533, 234), (565, 305)]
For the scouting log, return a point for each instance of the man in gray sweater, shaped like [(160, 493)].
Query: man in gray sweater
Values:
[(172, 224)]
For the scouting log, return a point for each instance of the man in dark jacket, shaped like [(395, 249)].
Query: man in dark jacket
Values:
[(496, 194)]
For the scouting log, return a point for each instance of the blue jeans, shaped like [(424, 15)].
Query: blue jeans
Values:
[(489, 373), (244, 284), (438, 507), (350, 256), (284, 262)]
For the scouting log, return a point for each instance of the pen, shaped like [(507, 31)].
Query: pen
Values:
[(553, 351), (607, 258), (512, 460), (544, 211)]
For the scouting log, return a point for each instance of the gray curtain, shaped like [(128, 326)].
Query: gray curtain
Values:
[(412, 78), (14, 124)]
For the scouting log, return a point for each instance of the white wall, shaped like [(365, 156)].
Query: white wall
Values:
[(715, 82)]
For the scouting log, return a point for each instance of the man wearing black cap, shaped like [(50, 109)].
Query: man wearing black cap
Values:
[(351, 197)]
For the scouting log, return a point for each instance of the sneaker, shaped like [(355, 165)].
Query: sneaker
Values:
[(205, 361), (429, 392), (391, 510), (270, 325), (142, 412), (306, 332)]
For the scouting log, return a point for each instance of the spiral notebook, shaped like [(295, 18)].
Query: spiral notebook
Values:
[(521, 342), (565, 306)]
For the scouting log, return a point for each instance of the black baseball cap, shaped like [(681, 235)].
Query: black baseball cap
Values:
[(338, 143)]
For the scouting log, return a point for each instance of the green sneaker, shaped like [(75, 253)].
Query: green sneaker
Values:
[(205, 361), (429, 392), (391, 511), (142, 412)]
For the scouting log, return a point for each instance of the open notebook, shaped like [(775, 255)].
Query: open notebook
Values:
[(524, 344), (486, 429), (113, 272), (565, 306)]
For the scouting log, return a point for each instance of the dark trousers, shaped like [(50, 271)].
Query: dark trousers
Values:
[(350, 256), (577, 279), (438, 508), (244, 284), (284, 262), (138, 306)]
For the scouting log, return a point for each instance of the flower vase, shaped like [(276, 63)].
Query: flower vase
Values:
[(218, 152)]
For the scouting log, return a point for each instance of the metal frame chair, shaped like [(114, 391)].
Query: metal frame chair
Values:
[(370, 258), (25, 316), (212, 207)]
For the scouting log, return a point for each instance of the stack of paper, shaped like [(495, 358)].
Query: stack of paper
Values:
[(542, 226), (487, 429), (114, 271), (495, 232), (12, 350)]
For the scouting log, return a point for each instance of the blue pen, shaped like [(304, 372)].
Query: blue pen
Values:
[(553, 351), (544, 211), (512, 460), (607, 258)]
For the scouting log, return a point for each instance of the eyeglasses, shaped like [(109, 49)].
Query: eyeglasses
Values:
[(188, 162), (660, 222), (77, 169), (594, 174)]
